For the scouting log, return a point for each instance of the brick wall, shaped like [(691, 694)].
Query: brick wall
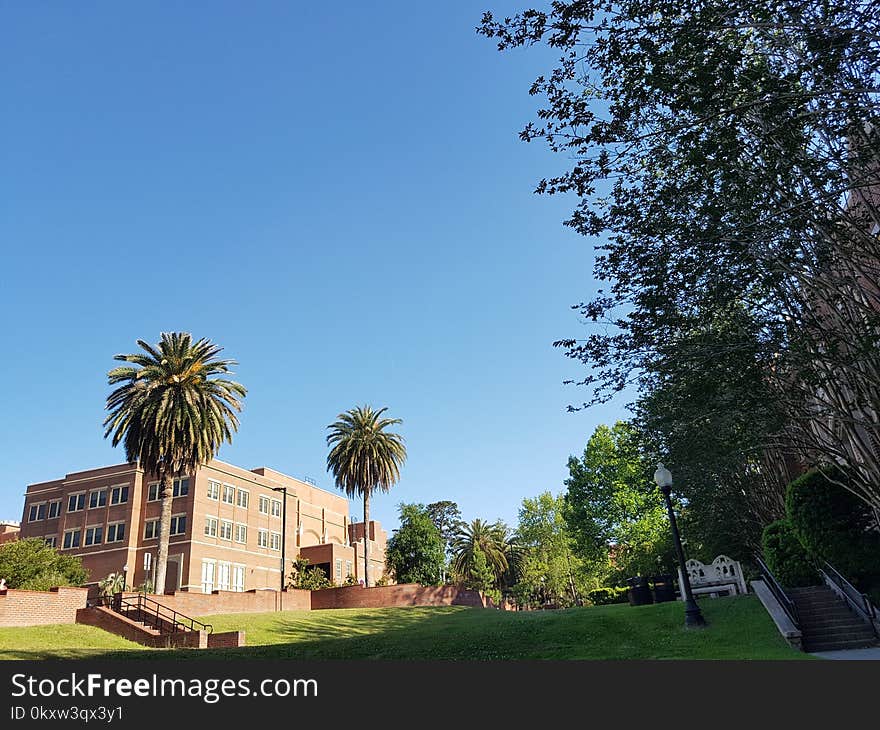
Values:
[(406, 594), (37, 608), (226, 640), (108, 620), (209, 604)]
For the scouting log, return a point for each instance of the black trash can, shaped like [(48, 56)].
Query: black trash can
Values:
[(664, 588), (639, 592)]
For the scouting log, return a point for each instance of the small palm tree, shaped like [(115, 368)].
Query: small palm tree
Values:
[(489, 538), (172, 413), (364, 458)]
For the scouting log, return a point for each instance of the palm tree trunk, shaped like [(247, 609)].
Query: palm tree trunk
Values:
[(167, 492), (366, 538)]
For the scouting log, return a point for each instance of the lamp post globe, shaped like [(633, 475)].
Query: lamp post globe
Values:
[(693, 617)]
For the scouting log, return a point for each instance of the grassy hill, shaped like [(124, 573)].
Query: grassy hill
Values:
[(739, 628)]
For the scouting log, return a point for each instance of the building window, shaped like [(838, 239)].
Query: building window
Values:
[(98, 498), (178, 524), (213, 490), (180, 487), (238, 578), (223, 571), (119, 495), (54, 508), (76, 502), (338, 570), (94, 535), (263, 538), (241, 533), (116, 532), (208, 568), (51, 540), (274, 540), (243, 497), (211, 526), (71, 539), (37, 512), (348, 570), (264, 505), (228, 494), (276, 508), (153, 492), (225, 530), (151, 529)]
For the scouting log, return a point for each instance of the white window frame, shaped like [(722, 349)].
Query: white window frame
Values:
[(239, 533), (209, 576), (237, 578), (227, 489), (51, 540), (213, 492), (78, 533), (150, 489), (225, 531), (53, 503), (263, 507), (224, 576), (155, 535), (275, 540), (116, 538), (77, 495), (238, 499), (120, 489), (36, 515), (176, 487), (92, 529), (177, 518), (93, 492), (349, 569), (262, 538), (212, 526), (339, 570), (276, 508)]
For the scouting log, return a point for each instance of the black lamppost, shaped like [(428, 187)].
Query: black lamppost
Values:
[(692, 614), (283, 490)]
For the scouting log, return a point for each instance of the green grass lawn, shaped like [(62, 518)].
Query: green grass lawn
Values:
[(739, 628)]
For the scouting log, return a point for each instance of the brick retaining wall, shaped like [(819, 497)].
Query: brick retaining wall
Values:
[(406, 594), (218, 602), (38, 608)]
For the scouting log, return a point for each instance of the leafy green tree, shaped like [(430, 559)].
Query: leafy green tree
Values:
[(31, 564), (613, 509), (446, 516), (365, 458), (726, 158), (415, 551), (305, 577), (786, 557), (172, 411), (479, 575), (549, 562)]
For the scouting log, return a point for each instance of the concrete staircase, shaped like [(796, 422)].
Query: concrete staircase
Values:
[(827, 622)]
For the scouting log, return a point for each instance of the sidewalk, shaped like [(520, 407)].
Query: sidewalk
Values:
[(872, 652)]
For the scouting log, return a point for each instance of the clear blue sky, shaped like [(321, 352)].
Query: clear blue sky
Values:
[(334, 193)]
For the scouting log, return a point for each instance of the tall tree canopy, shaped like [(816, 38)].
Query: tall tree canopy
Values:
[(415, 552), (726, 155), (365, 458), (172, 409)]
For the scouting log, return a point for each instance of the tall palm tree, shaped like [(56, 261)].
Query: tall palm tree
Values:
[(491, 538), (172, 413), (364, 458)]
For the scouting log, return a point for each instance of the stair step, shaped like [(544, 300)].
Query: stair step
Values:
[(843, 633), (838, 645)]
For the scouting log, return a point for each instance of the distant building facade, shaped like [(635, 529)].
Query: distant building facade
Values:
[(8, 531), (227, 526)]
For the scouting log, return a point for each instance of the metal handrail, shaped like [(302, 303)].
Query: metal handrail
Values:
[(788, 605), (858, 601), (158, 616)]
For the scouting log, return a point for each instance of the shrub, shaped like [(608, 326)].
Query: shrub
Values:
[(833, 524), (307, 578), (604, 596), (33, 565), (786, 557)]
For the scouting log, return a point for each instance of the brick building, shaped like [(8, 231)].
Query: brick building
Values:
[(9, 531), (226, 527)]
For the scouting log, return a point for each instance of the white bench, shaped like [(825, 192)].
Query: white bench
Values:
[(724, 575)]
